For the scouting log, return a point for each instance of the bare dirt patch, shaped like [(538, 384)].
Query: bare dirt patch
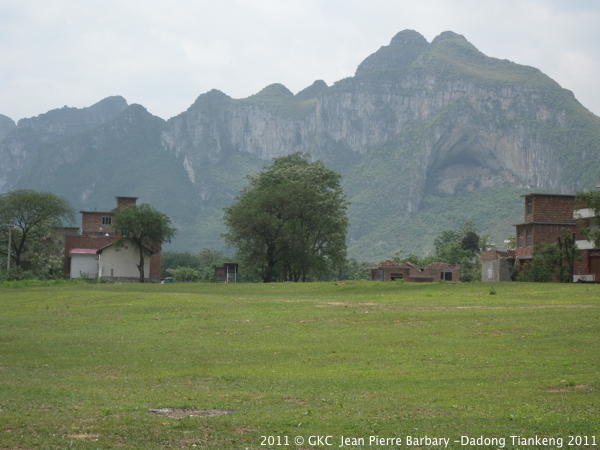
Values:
[(180, 413), (429, 308), (93, 437), (569, 388)]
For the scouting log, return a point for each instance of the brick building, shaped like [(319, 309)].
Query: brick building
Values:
[(82, 251), (546, 218), (391, 270)]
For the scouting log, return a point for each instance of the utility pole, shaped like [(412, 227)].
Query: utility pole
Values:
[(9, 246), (573, 247)]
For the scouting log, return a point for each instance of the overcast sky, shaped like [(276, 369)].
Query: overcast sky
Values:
[(162, 54)]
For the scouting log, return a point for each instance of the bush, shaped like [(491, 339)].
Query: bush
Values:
[(185, 274)]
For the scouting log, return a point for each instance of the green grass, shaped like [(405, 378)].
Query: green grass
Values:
[(81, 365)]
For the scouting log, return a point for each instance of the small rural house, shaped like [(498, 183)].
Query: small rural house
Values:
[(391, 270), (121, 264), (91, 252)]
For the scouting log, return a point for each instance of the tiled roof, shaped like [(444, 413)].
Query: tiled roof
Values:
[(438, 265), (389, 262), (82, 251)]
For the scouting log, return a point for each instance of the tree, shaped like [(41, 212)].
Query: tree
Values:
[(145, 228), (208, 259), (554, 261), (185, 274), (30, 214), (461, 247), (171, 260), (591, 200), (511, 242), (290, 221), (485, 243), (458, 246)]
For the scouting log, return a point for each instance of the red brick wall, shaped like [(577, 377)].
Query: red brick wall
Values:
[(155, 266), (91, 222), (557, 209), (550, 208), (125, 202)]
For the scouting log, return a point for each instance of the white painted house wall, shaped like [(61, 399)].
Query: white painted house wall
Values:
[(84, 263), (122, 263)]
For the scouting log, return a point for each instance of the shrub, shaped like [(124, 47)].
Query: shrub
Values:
[(185, 274)]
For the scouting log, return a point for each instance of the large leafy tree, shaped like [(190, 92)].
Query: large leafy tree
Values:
[(30, 214), (145, 228), (458, 246), (461, 247), (290, 221)]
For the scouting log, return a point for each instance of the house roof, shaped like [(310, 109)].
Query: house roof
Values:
[(439, 265), (390, 265), (388, 262), (570, 224), (82, 251), (537, 194), (105, 247)]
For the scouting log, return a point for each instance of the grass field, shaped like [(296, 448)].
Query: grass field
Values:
[(81, 365)]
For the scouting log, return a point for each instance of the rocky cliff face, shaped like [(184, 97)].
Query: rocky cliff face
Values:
[(419, 124), (23, 145), (465, 121)]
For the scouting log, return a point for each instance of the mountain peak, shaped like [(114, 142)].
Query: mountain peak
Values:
[(456, 45), (409, 37), (403, 50), (449, 35), (312, 91), (6, 126), (273, 93)]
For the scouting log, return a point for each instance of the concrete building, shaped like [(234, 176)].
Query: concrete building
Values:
[(497, 265)]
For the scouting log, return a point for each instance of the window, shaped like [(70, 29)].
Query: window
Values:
[(106, 220), (520, 240), (528, 238), (529, 204)]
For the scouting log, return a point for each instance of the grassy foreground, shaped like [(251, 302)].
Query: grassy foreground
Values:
[(82, 365)]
